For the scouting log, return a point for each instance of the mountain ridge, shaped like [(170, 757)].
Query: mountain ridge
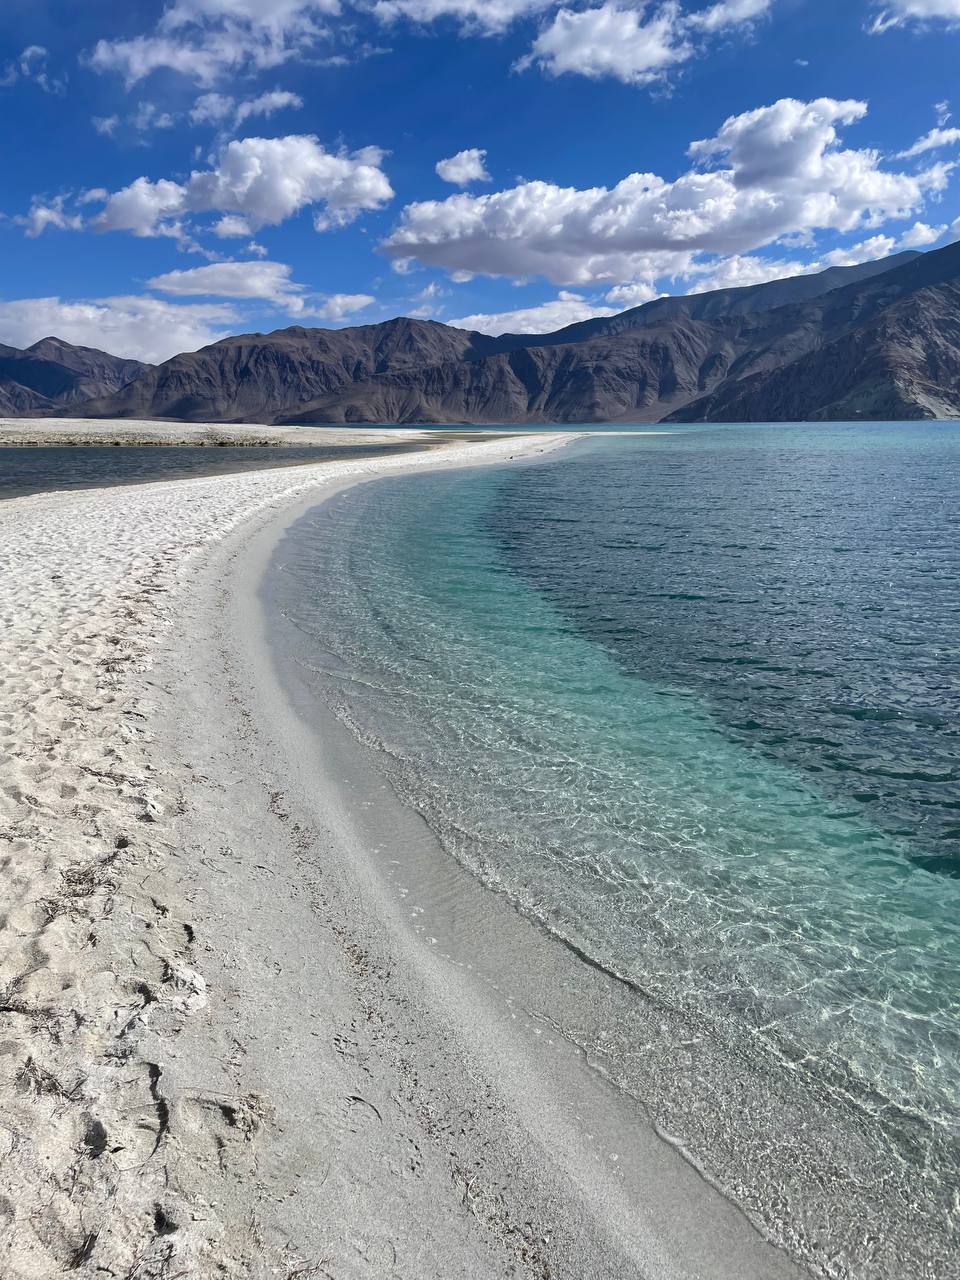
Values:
[(52, 375), (877, 339)]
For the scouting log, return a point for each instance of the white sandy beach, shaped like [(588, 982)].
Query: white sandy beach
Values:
[(220, 1053), (134, 431)]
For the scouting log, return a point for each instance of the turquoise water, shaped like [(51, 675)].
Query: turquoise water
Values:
[(692, 701)]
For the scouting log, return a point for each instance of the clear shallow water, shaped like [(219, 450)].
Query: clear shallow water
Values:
[(692, 702)]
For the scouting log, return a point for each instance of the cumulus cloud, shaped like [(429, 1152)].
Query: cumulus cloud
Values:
[(136, 327), (625, 296), (486, 17), (566, 308), (230, 227), (463, 168), (219, 108), (611, 41), (765, 174), (899, 13), (206, 39), (935, 140), (267, 280), (257, 182), (633, 42), (52, 214), (919, 236), (340, 305)]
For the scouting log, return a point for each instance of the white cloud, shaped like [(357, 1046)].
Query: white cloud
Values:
[(625, 296), (216, 108), (740, 271), (31, 65), (138, 328), (53, 214), (206, 39), (463, 168), (262, 181), (145, 208), (268, 280), (772, 172), (932, 141), (212, 108), (632, 41), (866, 251), (148, 116), (920, 235), (487, 17), (881, 246), (899, 13), (230, 227), (729, 13), (611, 41), (566, 308), (340, 305), (268, 104)]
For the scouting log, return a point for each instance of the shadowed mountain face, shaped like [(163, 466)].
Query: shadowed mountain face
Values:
[(266, 377), (875, 341), (53, 376)]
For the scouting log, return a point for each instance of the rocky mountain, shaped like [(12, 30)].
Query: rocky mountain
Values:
[(260, 377), (718, 303), (890, 351), (878, 340), (714, 357), (52, 376)]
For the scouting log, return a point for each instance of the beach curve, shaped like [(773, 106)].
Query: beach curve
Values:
[(206, 1021)]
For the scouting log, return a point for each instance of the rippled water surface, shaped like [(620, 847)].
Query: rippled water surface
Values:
[(693, 702)]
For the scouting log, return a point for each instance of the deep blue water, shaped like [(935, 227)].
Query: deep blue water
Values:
[(804, 583), (691, 701)]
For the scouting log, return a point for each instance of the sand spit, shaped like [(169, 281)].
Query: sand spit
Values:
[(97, 431), (228, 1047), (97, 1163)]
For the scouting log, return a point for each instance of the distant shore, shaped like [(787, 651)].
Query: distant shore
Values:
[(67, 432), (224, 1053)]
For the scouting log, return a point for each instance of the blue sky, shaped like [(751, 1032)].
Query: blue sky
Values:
[(180, 169)]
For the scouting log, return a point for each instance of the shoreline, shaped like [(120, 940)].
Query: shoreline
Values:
[(289, 1079)]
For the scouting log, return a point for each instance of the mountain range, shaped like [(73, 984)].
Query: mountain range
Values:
[(53, 376), (880, 340)]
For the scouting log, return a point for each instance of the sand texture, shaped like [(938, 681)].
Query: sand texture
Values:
[(97, 431), (90, 957), (224, 1052)]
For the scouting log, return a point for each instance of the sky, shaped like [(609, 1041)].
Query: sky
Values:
[(177, 170)]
